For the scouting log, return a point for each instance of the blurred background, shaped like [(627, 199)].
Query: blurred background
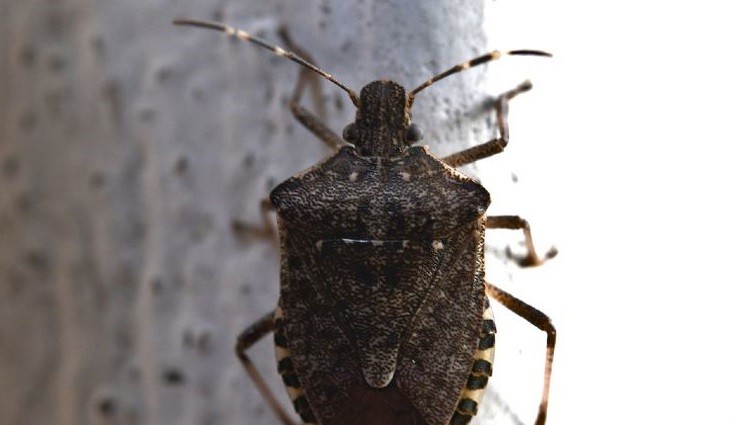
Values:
[(129, 148)]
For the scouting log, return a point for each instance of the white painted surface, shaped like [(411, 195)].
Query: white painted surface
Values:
[(626, 154)]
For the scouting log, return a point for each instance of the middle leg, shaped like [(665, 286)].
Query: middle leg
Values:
[(514, 222)]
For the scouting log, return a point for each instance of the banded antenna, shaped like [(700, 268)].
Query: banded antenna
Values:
[(243, 35), (490, 56)]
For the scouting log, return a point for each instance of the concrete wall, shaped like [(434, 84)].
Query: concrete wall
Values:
[(127, 149)]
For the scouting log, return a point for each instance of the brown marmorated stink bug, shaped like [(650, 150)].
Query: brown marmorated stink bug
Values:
[(383, 316)]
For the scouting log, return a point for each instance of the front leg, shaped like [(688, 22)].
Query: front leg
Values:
[(493, 146), (311, 121)]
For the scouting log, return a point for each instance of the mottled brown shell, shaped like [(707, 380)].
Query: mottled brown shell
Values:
[(382, 285)]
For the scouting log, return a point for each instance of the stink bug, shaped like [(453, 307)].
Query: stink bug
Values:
[(383, 316)]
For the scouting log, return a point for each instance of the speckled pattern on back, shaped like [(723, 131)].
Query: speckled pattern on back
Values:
[(382, 285)]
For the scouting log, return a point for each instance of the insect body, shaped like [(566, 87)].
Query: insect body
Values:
[(383, 316)]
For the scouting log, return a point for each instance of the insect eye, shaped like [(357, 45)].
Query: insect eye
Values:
[(414, 134), (350, 133)]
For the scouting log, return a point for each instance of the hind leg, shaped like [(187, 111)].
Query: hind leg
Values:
[(244, 341), (543, 323)]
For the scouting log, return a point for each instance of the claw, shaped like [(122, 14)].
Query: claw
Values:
[(531, 259)]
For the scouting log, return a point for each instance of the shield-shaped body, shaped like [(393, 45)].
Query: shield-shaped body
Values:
[(382, 295)]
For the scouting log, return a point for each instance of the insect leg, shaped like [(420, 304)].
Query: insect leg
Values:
[(309, 120), (245, 230), (493, 146), (514, 222), (543, 323), (246, 339)]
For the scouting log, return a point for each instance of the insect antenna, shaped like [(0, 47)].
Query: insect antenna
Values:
[(243, 35), (490, 56)]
